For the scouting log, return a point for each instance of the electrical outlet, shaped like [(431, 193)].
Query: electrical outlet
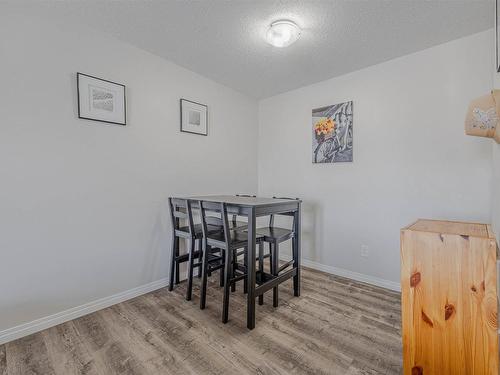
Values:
[(365, 251)]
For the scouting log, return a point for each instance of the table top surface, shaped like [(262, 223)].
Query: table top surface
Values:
[(452, 227), (243, 201)]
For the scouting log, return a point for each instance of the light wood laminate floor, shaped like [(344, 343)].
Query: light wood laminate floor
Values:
[(337, 326)]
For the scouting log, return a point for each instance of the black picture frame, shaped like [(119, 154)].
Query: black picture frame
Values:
[(78, 75), (181, 101), (497, 37)]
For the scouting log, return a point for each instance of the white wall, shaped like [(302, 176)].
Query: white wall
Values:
[(83, 204), (411, 157)]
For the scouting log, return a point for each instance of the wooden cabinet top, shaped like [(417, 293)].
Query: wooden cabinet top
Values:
[(452, 227)]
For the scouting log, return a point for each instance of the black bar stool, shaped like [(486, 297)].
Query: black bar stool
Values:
[(180, 209), (238, 225), (227, 240), (274, 236)]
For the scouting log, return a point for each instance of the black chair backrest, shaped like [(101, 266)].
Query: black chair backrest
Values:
[(180, 209), (271, 218), (213, 213)]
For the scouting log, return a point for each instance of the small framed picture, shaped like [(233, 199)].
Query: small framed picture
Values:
[(101, 100), (194, 117)]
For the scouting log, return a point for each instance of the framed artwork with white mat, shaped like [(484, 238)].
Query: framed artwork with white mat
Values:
[(101, 100), (194, 117)]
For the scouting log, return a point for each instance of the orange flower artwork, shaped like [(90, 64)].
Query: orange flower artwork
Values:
[(324, 126)]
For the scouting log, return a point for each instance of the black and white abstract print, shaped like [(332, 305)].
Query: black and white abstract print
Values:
[(102, 99)]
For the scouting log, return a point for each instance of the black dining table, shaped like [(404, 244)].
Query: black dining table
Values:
[(252, 208)]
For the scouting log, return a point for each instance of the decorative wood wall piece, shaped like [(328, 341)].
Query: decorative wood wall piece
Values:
[(483, 116), (449, 298)]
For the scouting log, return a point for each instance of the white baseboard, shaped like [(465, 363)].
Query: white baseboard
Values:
[(377, 281), (37, 325)]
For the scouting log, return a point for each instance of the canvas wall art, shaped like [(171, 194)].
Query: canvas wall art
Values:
[(101, 100), (332, 133)]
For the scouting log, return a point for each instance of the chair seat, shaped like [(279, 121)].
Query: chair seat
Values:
[(198, 231), (238, 225), (238, 239), (272, 234)]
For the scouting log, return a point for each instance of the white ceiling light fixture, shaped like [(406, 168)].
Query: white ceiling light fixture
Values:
[(283, 33)]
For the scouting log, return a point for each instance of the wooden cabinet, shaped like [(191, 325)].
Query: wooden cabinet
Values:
[(449, 298)]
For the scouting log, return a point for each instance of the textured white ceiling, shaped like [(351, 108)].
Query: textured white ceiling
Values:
[(224, 40)]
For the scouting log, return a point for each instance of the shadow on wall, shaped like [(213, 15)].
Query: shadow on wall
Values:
[(157, 253), (309, 214)]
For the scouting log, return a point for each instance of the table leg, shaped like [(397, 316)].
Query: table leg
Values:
[(261, 268), (251, 270), (245, 262), (296, 251)]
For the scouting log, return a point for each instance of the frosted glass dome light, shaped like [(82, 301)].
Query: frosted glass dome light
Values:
[(283, 33)]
